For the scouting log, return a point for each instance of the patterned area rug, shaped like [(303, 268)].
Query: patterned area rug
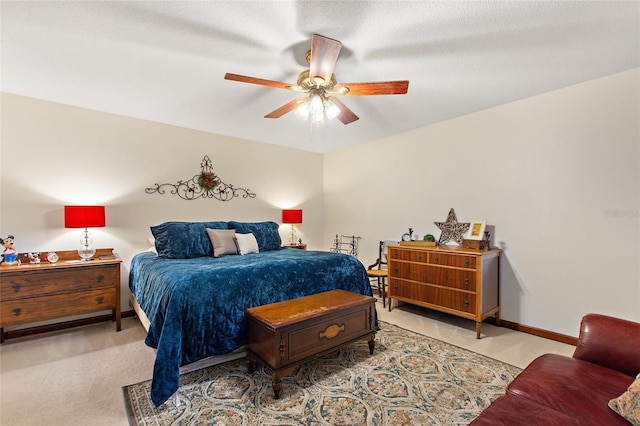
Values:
[(410, 379)]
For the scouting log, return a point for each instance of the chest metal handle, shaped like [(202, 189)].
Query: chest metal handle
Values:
[(16, 287), (17, 311), (100, 299)]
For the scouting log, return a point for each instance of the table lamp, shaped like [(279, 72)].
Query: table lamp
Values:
[(292, 216), (84, 217)]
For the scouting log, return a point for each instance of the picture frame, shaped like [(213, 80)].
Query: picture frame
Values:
[(476, 230)]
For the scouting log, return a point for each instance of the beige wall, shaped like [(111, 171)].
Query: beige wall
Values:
[(54, 155), (556, 174)]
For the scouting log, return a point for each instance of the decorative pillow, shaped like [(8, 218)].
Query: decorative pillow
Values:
[(184, 240), (223, 241), (628, 404), (266, 233), (247, 243)]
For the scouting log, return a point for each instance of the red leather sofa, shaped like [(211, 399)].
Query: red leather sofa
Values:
[(562, 390)]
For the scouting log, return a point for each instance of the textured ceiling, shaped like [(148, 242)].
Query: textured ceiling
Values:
[(165, 61)]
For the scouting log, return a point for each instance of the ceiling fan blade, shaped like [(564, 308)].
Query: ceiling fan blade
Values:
[(375, 88), (288, 107), (259, 81), (346, 115), (324, 54)]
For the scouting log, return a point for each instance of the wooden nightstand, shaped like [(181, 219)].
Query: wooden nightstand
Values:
[(296, 246), (46, 291)]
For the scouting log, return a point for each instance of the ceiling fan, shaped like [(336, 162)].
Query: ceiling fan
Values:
[(321, 87)]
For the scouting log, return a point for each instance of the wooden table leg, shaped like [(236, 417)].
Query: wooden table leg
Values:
[(478, 326), (117, 318), (250, 363), (276, 384), (372, 346)]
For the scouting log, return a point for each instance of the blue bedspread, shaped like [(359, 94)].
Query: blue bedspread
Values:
[(196, 306)]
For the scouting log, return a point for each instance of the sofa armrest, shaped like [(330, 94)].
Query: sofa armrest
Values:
[(610, 342)]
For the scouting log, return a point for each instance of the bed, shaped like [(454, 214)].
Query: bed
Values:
[(195, 302)]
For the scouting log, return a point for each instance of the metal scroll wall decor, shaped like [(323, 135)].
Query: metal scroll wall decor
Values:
[(205, 184)]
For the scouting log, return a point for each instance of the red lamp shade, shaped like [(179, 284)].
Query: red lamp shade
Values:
[(292, 216), (84, 217)]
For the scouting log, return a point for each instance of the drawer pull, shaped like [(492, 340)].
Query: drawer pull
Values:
[(16, 286), (99, 278), (466, 303), (100, 299), (419, 257), (332, 331), (17, 311), (435, 259), (466, 282), (395, 269), (466, 262)]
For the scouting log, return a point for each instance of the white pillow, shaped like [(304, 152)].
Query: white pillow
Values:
[(247, 243)]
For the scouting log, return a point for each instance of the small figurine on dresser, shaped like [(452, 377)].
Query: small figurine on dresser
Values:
[(34, 257), (10, 254)]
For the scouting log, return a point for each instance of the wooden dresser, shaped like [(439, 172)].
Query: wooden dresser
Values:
[(38, 292), (451, 279), (285, 334)]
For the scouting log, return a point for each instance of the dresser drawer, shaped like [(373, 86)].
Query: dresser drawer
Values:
[(409, 255), (326, 334), (434, 295), (457, 260), (447, 277), (16, 312), (41, 283)]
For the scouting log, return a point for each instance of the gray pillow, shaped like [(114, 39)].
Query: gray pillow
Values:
[(223, 241)]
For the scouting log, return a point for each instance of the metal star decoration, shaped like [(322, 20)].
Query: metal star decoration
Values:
[(452, 230)]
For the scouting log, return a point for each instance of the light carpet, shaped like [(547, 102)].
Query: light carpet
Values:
[(410, 379)]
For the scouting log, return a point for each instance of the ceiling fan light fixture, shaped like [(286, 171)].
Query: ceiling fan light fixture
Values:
[(316, 103), (302, 111), (317, 117), (318, 107), (331, 109)]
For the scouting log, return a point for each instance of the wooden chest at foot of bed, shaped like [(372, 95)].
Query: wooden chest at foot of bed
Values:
[(283, 335)]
